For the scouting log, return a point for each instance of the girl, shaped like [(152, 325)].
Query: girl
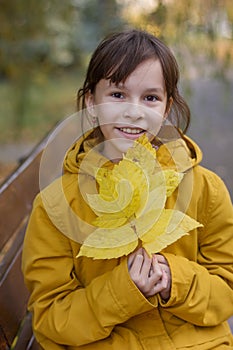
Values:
[(178, 299)]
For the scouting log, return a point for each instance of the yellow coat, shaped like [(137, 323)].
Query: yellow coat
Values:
[(93, 304)]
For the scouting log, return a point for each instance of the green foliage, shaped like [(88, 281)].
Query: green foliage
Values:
[(26, 115), (40, 39)]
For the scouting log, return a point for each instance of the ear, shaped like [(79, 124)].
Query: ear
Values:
[(168, 107), (90, 104)]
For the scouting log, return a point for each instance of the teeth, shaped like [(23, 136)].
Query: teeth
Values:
[(131, 131)]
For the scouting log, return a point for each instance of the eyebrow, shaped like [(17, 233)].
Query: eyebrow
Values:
[(149, 90), (156, 89)]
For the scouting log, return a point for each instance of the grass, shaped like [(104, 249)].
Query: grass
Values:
[(29, 108)]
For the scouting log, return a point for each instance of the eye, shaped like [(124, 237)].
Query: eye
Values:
[(151, 98), (117, 95)]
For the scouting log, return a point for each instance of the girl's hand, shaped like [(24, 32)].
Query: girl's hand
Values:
[(150, 275)]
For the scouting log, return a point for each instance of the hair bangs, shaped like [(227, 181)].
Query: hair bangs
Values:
[(128, 58)]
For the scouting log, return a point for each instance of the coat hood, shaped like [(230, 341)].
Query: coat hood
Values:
[(84, 156)]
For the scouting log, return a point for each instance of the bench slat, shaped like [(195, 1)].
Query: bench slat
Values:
[(16, 197), (13, 299)]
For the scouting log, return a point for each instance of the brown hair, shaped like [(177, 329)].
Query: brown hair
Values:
[(119, 54)]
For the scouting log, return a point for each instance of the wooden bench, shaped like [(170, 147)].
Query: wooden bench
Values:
[(16, 197)]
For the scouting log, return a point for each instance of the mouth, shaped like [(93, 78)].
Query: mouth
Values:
[(132, 131)]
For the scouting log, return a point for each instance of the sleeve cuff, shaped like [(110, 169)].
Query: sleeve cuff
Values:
[(129, 297)]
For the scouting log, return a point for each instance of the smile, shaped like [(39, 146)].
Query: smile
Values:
[(131, 130)]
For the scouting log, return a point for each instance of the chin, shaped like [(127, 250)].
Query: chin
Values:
[(125, 145), (115, 149)]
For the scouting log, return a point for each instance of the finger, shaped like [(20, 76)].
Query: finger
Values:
[(157, 288), (162, 283), (165, 268), (166, 284), (131, 257), (156, 271), (130, 260), (161, 259), (136, 266), (141, 280), (146, 266)]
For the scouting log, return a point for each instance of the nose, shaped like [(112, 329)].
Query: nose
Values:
[(133, 111)]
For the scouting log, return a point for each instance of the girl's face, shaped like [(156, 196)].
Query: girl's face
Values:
[(127, 110)]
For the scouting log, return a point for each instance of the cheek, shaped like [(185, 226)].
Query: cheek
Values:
[(155, 120), (105, 112), (158, 115), (109, 113), (106, 130)]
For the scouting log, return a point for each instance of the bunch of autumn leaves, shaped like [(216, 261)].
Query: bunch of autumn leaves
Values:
[(130, 206)]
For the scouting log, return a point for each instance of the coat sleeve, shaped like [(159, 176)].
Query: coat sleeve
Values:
[(202, 290), (63, 310)]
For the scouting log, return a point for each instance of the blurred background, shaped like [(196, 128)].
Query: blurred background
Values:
[(45, 47)]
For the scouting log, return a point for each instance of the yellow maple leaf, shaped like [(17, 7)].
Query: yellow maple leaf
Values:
[(144, 154), (130, 206), (171, 225), (109, 243), (111, 202)]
